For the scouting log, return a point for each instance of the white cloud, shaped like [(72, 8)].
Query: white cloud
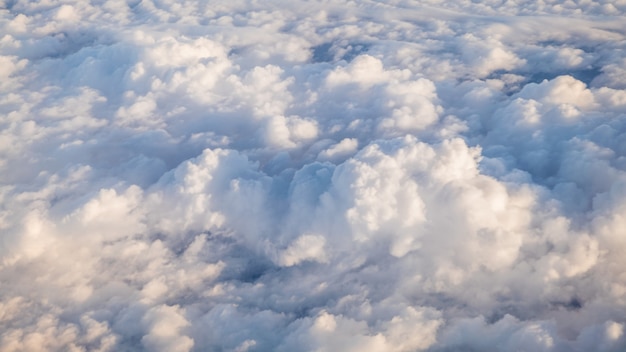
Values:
[(345, 147), (300, 176), (305, 247), (164, 324)]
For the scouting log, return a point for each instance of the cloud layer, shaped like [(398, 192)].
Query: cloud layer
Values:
[(312, 176)]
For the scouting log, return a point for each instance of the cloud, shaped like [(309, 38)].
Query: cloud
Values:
[(300, 176)]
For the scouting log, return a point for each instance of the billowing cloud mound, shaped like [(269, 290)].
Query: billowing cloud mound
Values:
[(312, 176)]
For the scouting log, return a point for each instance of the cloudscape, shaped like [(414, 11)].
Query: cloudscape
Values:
[(313, 175)]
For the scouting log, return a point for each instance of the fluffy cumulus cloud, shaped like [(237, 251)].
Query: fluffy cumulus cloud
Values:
[(312, 175)]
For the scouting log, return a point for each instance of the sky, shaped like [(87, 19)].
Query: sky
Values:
[(313, 175)]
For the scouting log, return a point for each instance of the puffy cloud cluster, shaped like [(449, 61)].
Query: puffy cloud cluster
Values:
[(312, 176)]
